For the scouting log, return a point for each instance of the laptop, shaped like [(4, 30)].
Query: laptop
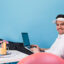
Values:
[(26, 41)]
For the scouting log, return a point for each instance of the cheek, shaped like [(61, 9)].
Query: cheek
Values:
[(62, 27), (57, 27)]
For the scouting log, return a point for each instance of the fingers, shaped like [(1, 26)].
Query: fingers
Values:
[(35, 50), (36, 46)]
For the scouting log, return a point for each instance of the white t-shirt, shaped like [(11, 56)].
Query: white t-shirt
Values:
[(58, 47)]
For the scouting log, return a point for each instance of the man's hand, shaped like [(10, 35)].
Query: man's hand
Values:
[(35, 48)]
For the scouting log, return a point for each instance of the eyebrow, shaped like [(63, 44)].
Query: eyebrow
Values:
[(60, 23)]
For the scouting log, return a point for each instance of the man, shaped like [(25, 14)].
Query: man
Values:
[(58, 46)]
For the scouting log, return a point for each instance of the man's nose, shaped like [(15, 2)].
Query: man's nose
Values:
[(59, 26)]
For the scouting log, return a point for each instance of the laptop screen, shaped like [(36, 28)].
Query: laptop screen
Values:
[(26, 40)]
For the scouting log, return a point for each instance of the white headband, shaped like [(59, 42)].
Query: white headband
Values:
[(58, 19)]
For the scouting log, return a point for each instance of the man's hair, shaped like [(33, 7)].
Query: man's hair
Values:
[(60, 16)]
